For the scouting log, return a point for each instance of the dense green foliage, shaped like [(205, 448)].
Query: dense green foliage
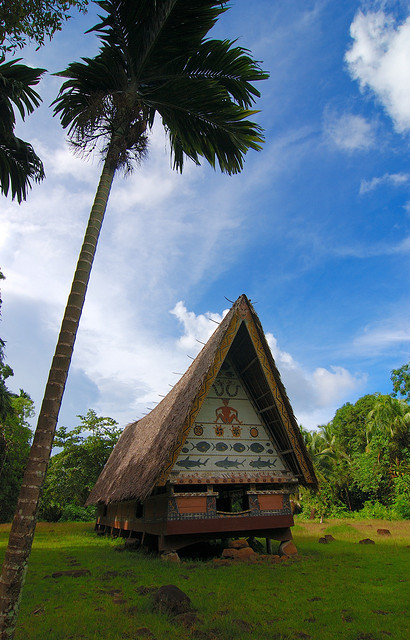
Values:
[(22, 21), (401, 381), (73, 471), (362, 459), (15, 438)]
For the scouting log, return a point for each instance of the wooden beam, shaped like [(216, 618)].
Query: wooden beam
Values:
[(271, 406), (248, 365)]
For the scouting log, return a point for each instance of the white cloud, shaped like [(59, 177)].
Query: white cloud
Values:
[(387, 335), (197, 328), (395, 179), (310, 392), (349, 132), (379, 59), (363, 251)]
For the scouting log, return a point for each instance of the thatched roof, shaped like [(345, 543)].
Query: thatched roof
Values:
[(148, 448)]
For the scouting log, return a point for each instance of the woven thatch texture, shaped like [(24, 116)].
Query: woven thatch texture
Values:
[(143, 449)]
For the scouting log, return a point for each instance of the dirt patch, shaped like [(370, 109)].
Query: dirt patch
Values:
[(243, 625), (144, 632), (108, 575), (145, 591), (187, 620), (73, 573)]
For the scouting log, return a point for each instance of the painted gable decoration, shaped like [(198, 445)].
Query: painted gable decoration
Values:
[(228, 438)]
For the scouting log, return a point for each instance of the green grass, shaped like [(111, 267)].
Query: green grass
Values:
[(336, 591)]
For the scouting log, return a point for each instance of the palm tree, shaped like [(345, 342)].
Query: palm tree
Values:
[(391, 417), (19, 163), (154, 59)]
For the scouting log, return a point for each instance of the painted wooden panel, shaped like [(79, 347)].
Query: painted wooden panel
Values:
[(270, 502), (191, 504), (228, 436)]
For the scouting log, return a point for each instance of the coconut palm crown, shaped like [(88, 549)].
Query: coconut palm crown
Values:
[(155, 58)]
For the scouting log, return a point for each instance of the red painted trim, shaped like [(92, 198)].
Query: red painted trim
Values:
[(219, 525)]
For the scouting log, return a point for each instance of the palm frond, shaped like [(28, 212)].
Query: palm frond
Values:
[(19, 165), (16, 82)]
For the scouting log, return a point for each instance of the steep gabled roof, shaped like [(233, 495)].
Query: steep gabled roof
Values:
[(147, 449)]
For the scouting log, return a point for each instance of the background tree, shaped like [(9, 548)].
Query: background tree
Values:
[(74, 471), (155, 59), (362, 456), (22, 21), (15, 439), (401, 382), (5, 372), (19, 164)]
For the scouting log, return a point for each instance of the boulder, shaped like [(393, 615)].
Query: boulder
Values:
[(171, 600), (238, 544), (367, 541), (132, 544), (170, 556), (245, 553), (383, 532), (287, 548)]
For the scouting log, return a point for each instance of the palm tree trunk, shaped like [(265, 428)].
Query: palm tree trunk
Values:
[(25, 518)]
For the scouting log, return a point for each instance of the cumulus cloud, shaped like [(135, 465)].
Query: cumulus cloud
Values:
[(349, 132), (197, 328), (394, 179), (379, 60), (314, 391)]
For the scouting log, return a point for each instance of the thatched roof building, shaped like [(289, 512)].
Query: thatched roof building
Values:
[(148, 450)]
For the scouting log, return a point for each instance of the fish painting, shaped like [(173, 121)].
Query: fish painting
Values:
[(202, 446), (221, 446), (228, 464), (239, 447), (256, 447), (262, 464), (189, 464)]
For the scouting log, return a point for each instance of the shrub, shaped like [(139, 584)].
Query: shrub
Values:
[(73, 513)]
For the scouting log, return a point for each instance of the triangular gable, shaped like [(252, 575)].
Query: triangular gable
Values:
[(288, 453), (228, 440)]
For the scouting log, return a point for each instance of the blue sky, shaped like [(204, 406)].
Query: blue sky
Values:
[(315, 230)]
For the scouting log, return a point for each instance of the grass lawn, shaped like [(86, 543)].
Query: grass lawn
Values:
[(341, 590)]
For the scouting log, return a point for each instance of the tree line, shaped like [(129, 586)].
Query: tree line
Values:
[(362, 456)]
